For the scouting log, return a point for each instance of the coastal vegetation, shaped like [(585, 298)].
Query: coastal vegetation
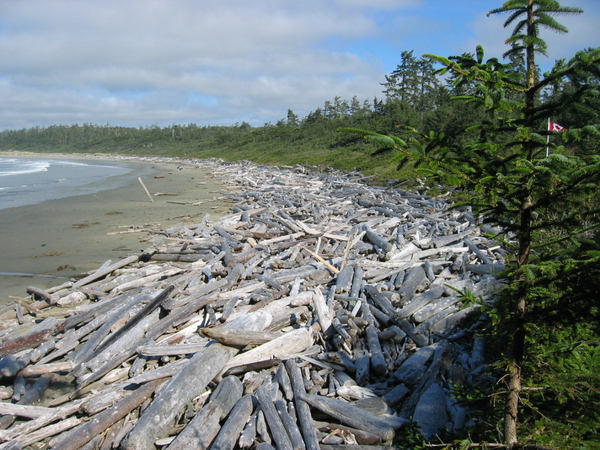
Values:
[(491, 143), (412, 95), (545, 200)]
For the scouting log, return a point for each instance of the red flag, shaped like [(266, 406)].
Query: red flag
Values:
[(555, 127)]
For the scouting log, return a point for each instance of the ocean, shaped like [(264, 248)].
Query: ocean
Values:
[(54, 216), (30, 181), (60, 233)]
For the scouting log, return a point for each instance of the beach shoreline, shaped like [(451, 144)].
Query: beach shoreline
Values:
[(48, 243), (311, 259)]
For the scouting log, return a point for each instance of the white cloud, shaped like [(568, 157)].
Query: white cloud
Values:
[(226, 48), (138, 62)]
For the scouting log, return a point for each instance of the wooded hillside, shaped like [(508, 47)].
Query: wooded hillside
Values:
[(412, 95)]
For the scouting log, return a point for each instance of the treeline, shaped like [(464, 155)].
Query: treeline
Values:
[(412, 95)]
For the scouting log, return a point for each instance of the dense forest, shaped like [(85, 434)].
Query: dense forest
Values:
[(408, 98), (412, 95), (490, 141)]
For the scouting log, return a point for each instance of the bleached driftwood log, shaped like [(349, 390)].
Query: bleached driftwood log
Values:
[(317, 295)]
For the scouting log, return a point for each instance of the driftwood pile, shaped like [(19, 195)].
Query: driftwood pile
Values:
[(321, 313)]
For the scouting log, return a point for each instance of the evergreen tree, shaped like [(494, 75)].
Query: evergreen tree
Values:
[(292, 119), (413, 82), (540, 201)]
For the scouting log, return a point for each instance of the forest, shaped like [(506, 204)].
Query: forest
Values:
[(412, 95), (478, 128)]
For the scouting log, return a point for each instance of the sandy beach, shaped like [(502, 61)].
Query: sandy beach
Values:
[(64, 238), (312, 260)]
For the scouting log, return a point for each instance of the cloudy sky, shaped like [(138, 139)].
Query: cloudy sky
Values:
[(221, 62)]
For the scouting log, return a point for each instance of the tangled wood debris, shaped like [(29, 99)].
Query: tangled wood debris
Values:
[(321, 313)]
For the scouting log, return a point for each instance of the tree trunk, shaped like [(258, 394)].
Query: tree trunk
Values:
[(511, 409)]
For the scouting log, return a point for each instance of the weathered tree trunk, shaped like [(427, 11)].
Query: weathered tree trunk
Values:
[(189, 382), (33, 338), (204, 427), (351, 415), (234, 425), (86, 432), (302, 409), (278, 431)]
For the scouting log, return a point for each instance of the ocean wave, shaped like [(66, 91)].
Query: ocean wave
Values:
[(10, 166), (103, 166)]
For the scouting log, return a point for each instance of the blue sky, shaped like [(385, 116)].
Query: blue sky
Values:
[(209, 62)]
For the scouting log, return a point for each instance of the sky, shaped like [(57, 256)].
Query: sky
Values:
[(224, 62)]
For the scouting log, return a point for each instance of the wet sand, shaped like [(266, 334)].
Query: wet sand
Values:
[(63, 238)]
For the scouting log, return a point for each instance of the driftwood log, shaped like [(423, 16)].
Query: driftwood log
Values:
[(320, 313)]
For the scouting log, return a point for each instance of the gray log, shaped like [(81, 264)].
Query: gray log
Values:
[(284, 382), (412, 369), (105, 271), (412, 281), (189, 382), (290, 425), (362, 362), (264, 446), (40, 351), (18, 388), (441, 241), (344, 279), (278, 432), (40, 369), (426, 327), (302, 409), (239, 338), (377, 240), (234, 425), (40, 293), (380, 300), (201, 430), (146, 310), (420, 301), (227, 393), (377, 359), (485, 269), (482, 256), (433, 308), (248, 436), (396, 395), (357, 281), (12, 368), (31, 412), (430, 412), (351, 415), (85, 433), (409, 330), (133, 335), (99, 309), (261, 427), (89, 349)]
